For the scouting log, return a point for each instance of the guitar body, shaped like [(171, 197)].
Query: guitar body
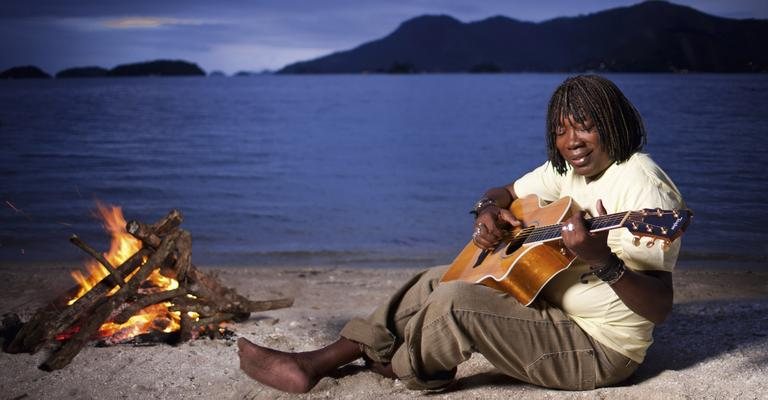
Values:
[(516, 268)]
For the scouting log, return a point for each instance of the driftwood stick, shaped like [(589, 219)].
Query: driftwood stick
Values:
[(57, 315), (266, 305), (202, 308), (151, 234), (185, 325), (64, 355), (143, 232), (227, 299), (168, 223), (212, 322), (183, 256), (147, 300), (114, 274)]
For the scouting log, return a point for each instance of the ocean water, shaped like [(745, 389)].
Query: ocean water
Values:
[(347, 170)]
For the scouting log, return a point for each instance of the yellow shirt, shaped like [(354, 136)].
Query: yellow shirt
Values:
[(632, 185)]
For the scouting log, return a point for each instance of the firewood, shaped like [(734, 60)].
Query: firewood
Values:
[(114, 275), (169, 249), (64, 355), (167, 223), (151, 234), (212, 322), (227, 299), (147, 300), (183, 256), (56, 316)]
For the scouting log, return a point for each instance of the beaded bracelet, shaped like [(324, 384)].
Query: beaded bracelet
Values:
[(609, 273), (481, 204)]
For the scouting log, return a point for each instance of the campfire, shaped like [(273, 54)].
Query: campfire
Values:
[(144, 288)]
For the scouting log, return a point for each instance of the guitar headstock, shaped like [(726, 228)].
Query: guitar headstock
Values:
[(666, 225)]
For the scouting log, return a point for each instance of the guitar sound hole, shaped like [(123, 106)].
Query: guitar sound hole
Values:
[(513, 246), (481, 258)]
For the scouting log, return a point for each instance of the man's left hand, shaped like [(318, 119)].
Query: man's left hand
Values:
[(590, 247)]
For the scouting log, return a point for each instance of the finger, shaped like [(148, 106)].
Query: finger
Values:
[(484, 242), (580, 223), (600, 208), (507, 216), (481, 236)]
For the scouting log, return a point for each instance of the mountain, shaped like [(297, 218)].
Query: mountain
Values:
[(82, 72), (24, 72), (652, 36), (158, 68)]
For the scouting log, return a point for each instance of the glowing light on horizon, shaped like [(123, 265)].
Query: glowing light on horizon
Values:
[(149, 22)]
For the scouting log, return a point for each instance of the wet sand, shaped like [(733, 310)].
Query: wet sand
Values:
[(714, 345)]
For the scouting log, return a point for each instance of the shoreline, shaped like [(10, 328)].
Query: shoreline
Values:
[(715, 344)]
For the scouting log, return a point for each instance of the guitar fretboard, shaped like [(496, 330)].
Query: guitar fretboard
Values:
[(554, 231)]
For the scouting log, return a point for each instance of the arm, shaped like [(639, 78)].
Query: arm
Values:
[(647, 293)]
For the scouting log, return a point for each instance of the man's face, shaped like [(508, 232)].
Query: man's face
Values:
[(580, 146)]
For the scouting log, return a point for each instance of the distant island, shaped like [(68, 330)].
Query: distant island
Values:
[(24, 72), (158, 68), (652, 36), (149, 68), (83, 72)]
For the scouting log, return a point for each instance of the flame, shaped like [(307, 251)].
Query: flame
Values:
[(122, 247), (157, 317)]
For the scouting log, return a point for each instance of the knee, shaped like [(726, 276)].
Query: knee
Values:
[(456, 294)]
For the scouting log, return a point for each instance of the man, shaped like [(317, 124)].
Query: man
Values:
[(579, 333)]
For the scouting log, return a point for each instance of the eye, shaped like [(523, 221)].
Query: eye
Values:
[(586, 128), (559, 131)]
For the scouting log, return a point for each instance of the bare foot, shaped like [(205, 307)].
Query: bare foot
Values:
[(382, 369), (280, 370)]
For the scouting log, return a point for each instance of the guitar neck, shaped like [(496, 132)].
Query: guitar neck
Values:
[(554, 232)]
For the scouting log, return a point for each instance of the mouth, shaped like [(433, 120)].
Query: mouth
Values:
[(580, 160)]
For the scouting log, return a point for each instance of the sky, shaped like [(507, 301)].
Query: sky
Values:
[(243, 35)]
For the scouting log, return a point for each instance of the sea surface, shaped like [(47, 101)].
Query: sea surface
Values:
[(347, 170)]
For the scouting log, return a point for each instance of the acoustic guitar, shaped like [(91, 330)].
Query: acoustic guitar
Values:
[(534, 253)]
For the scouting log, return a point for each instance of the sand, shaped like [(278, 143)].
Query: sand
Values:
[(714, 345)]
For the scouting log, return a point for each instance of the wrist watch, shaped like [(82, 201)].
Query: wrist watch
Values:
[(611, 272)]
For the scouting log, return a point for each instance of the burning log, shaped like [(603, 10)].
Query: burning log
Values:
[(145, 301), (195, 303), (58, 315)]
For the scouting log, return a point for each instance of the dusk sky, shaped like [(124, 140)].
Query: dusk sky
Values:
[(235, 35)]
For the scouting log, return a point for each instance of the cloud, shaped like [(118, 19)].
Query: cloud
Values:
[(123, 23), (152, 22)]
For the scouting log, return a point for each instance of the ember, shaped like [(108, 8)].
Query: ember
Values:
[(154, 292)]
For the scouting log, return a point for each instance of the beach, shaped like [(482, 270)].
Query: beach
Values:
[(714, 345)]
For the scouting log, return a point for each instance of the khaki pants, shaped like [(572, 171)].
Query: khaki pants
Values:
[(427, 329)]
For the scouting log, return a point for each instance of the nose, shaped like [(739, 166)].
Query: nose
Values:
[(572, 138)]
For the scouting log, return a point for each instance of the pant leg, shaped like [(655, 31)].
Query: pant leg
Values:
[(536, 344), (427, 328), (382, 332)]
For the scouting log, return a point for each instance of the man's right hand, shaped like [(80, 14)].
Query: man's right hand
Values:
[(491, 225)]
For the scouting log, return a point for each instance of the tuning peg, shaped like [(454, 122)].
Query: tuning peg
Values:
[(636, 241), (659, 212), (665, 246), (676, 213), (650, 243)]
